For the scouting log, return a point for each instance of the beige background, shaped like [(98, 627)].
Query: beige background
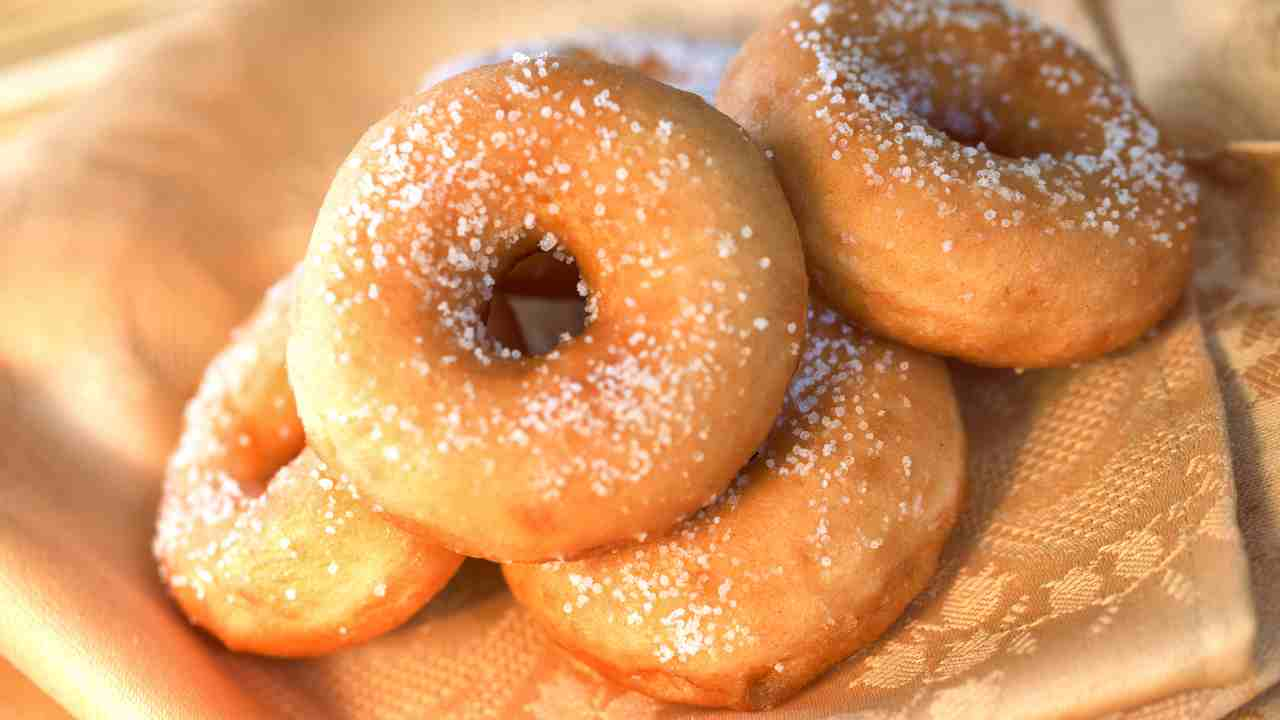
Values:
[(147, 214)]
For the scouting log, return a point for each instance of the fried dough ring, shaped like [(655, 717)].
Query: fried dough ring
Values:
[(967, 181), (303, 566), (697, 296), (816, 548)]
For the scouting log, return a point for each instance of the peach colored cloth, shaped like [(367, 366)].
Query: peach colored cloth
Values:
[(1099, 567)]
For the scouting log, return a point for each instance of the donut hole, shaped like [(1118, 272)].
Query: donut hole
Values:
[(265, 455), (977, 109), (990, 132), (964, 128), (537, 304)]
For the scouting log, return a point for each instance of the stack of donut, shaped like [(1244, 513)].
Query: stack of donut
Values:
[(730, 478)]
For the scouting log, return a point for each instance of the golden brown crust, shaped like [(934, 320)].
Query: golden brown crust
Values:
[(302, 566), (965, 180), (818, 547), (697, 296)]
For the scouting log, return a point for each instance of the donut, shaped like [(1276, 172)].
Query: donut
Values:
[(966, 180), (813, 551), (695, 290), (690, 64), (259, 541)]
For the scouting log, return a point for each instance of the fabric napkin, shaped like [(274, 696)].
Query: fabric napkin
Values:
[(1118, 509)]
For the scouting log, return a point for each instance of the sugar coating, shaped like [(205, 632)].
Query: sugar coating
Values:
[(204, 494), (892, 78), (550, 154), (802, 534), (691, 64), (237, 554)]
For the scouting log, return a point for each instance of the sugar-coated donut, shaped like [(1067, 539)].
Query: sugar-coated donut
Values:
[(691, 64), (965, 180), (303, 566), (816, 548), (696, 309)]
